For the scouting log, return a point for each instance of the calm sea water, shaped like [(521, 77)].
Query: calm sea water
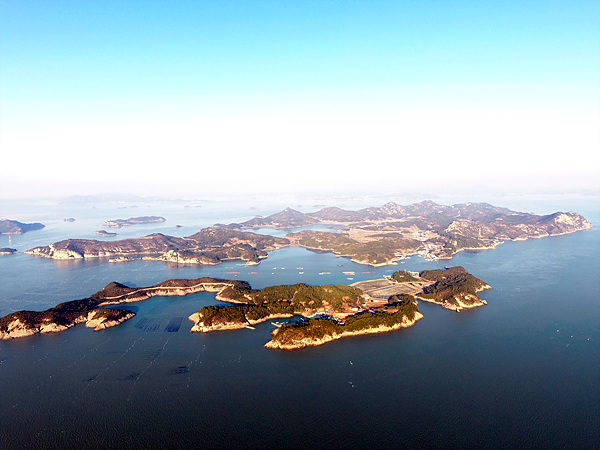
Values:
[(523, 371)]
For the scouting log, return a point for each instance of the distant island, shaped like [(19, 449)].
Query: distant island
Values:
[(8, 226), (118, 223), (331, 312), (7, 251), (105, 233), (374, 236)]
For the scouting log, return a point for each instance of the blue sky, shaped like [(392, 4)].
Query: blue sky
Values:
[(321, 83)]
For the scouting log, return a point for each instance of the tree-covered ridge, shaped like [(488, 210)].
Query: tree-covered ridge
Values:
[(298, 298), (401, 312), (402, 276), (453, 288), (451, 281)]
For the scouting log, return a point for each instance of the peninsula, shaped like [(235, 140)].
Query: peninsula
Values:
[(91, 312), (330, 312), (374, 236)]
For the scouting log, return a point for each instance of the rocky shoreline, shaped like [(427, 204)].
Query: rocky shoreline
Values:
[(311, 342)]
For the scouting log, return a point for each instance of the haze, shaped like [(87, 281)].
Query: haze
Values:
[(238, 97)]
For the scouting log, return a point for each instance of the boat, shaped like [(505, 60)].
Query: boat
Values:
[(324, 273)]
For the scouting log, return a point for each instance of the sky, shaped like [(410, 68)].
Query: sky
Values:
[(236, 97)]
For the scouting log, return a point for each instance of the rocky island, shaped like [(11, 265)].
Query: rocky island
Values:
[(8, 226), (374, 236), (8, 251)]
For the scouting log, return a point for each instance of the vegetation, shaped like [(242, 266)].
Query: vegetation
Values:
[(393, 314), (402, 276), (449, 283), (380, 250), (282, 299)]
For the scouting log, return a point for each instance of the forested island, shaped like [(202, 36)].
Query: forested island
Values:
[(374, 235), (330, 312)]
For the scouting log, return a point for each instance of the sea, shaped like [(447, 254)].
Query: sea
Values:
[(521, 372)]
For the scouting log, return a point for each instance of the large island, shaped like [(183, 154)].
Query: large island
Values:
[(374, 236)]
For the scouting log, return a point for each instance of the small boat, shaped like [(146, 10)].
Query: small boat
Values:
[(324, 273)]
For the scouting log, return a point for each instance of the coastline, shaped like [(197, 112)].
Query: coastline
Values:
[(273, 344)]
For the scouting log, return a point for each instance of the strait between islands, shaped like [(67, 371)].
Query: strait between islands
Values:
[(329, 312)]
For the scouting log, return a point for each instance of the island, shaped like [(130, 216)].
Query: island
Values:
[(91, 310), (374, 236), (328, 312), (8, 226), (118, 223), (8, 251), (335, 312), (105, 233)]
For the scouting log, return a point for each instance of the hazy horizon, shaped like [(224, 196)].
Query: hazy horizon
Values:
[(235, 99)]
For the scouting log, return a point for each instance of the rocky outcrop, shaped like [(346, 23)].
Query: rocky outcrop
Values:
[(101, 319), (8, 251)]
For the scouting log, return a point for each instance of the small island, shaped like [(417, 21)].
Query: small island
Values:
[(105, 233), (8, 251), (8, 226), (118, 223), (329, 312)]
